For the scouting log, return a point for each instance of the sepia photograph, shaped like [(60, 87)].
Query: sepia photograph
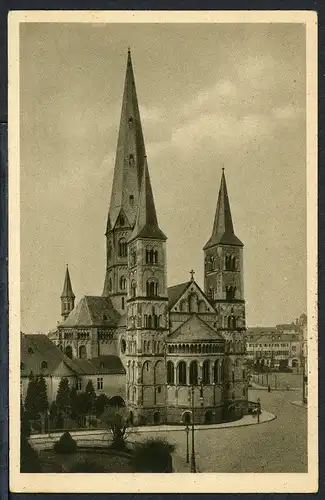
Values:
[(163, 215)]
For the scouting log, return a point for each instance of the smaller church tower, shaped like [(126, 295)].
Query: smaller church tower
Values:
[(147, 313), (67, 296), (224, 285)]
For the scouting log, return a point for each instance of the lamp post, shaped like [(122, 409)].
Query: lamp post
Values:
[(193, 463), (187, 430)]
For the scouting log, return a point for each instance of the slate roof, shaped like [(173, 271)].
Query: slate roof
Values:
[(130, 144), (92, 311), (67, 287), (223, 229), (175, 292), (146, 223), (195, 330), (101, 365), (38, 348), (108, 364), (291, 337)]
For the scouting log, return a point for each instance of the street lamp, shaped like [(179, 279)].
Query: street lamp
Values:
[(187, 430), (193, 463)]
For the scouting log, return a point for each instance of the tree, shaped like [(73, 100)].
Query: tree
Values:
[(74, 403), (24, 422), (90, 398), (63, 397), (31, 398), (153, 455), (41, 389), (117, 422), (100, 404)]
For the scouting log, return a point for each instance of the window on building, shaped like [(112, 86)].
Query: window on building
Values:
[(133, 289), (230, 263), (181, 373), (133, 258), (131, 161), (206, 372), (122, 247), (193, 373), (100, 383), (123, 303), (131, 199), (151, 288), (170, 373), (122, 283), (68, 351), (109, 251), (78, 384), (230, 292)]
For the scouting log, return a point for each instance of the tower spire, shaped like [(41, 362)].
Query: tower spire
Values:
[(67, 287), (146, 223), (67, 296), (223, 229), (129, 154)]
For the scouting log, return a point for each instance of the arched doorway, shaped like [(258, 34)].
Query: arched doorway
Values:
[(116, 401), (208, 417), (156, 418), (186, 417)]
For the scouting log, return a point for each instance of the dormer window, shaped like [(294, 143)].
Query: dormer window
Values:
[(44, 365), (130, 121)]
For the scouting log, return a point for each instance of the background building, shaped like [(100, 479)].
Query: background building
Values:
[(278, 347)]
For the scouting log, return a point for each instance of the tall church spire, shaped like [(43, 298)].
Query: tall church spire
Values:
[(146, 223), (223, 229), (67, 296), (67, 287), (129, 155)]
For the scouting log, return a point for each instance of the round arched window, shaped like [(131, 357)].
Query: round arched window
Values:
[(123, 346)]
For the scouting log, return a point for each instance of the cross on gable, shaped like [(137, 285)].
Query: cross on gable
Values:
[(192, 274)]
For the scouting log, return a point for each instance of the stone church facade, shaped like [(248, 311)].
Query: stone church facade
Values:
[(182, 347)]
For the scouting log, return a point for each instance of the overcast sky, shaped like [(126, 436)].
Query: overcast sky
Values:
[(210, 95)]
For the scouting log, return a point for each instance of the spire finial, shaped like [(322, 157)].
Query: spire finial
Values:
[(129, 50), (192, 274)]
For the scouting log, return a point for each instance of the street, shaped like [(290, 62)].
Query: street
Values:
[(276, 446)]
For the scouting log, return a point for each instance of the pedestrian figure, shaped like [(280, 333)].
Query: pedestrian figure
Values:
[(268, 388), (258, 410)]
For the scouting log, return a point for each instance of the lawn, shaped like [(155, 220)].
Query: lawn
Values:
[(106, 460)]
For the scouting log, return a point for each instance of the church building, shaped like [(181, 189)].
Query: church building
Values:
[(182, 347)]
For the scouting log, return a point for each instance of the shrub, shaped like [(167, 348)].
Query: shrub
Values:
[(153, 455), (66, 444), (29, 460), (86, 466), (117, 421)]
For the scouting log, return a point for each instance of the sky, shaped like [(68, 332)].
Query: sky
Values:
[(210, 96)]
